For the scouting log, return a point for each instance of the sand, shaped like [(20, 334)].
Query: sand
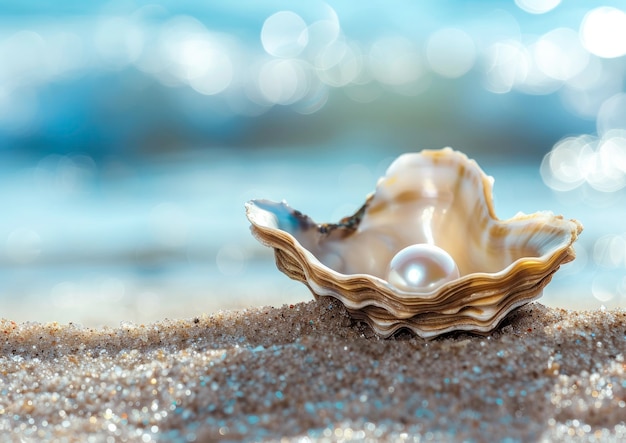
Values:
[(307, 372)]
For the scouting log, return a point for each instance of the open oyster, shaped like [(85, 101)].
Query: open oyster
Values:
[(426, 250)]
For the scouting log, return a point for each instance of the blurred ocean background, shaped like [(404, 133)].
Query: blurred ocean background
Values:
[(132, 133)]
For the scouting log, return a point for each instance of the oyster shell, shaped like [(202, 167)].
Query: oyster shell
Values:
[(443, 201)]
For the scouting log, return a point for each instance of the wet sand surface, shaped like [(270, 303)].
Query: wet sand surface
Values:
[(307, 372)]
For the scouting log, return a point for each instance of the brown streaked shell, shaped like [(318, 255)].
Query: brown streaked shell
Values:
[(439, 198)]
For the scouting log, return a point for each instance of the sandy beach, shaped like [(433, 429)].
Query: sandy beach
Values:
[(307, 372)]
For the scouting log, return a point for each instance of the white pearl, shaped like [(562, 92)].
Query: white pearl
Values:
[(421, 267)]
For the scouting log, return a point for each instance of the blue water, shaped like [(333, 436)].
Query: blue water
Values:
[(169, 238), (131, 136)]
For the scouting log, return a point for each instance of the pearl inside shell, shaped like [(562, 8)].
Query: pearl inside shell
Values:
[(421, 267)]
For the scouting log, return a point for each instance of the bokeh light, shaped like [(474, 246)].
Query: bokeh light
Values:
[(284, 34), (537, 6), (339, 63), (603, 32), (610, 251), (598, 162), (206, 66), (283, 82), (508, 65), (559, 55)]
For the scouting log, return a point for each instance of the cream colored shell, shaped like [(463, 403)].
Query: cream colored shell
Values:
[(435, 197)]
